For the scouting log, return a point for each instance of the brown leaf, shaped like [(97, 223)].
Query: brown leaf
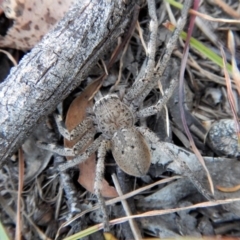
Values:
[(76, 114), (87, 178)]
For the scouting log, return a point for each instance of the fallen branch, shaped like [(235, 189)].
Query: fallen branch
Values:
[(56, 66)]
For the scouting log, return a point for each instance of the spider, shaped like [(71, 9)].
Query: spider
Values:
[(115, 119)]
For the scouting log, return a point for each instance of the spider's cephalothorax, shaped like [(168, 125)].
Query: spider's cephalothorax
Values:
[(111, 115), (129, 148)]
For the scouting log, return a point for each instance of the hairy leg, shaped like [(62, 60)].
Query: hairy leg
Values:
[(143, 86), (149, 111), (102, 150), (173, 154), (78, 131)]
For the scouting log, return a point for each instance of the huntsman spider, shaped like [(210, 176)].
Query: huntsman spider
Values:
[(115, 119)]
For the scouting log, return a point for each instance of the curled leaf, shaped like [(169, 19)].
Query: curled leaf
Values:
[(228, 189)]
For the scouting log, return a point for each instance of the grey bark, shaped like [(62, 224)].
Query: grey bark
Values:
[(56, 66)]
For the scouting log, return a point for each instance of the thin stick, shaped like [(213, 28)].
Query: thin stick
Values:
[(133, 225), (20, 187), (225, 7), (118, 199)]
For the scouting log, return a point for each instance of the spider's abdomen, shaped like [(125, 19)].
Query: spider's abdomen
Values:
[(131, 152), (112, 114)]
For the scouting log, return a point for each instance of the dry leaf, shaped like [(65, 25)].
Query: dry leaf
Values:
[(75, 115), (32, 20)]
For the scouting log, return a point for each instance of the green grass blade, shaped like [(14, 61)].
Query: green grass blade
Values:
[(194, 43), (83, 233), (208, 53), (3, 234), (175, 4)]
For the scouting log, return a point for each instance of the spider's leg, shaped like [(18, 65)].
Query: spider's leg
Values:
[(88, 136), (153, 83), (102, 150), (182, 166), (69, 189), (83, 156), (141, 81), (148, 111), (63, 151), (79, 130), (163, 61), (142, 87)]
